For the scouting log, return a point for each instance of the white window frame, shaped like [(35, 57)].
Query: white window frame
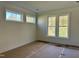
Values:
[(67, 26), (50, 26), (15, 13), (57, 27), (30, 22)]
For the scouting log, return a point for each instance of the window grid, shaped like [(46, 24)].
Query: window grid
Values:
[(30, 19), (58, 27), (13, 16), (53, 26), (63, 28)]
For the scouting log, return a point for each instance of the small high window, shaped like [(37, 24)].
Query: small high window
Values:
[(30, 19), (13, 16)]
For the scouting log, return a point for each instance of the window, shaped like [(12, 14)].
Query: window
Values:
[(58, 27), (51, 26), (63, 26), (13, 16), (30, 19)]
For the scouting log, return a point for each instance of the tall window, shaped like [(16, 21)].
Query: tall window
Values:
[(51, 26), (13, 16), (63, 26), (30, 19), (58, 27)]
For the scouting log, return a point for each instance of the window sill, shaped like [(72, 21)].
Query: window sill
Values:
[(14, 21), (57, 37)]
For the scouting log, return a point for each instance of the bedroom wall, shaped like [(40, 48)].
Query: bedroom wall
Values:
[(74, 26), (15, 34)]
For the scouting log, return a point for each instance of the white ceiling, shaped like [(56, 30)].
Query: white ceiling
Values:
[(43, 5)]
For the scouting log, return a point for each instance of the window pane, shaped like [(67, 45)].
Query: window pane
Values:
[(13, 16), (63, 32), (51, 31), (52, 21), (10, 16), (19, 17), (63, 20), (30, 19)]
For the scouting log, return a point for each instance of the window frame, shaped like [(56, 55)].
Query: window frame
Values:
[(66, 26), (57, 26), (30, 22), (50, 26), (13, 11)]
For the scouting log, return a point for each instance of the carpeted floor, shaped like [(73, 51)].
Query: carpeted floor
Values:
[(41, 50)]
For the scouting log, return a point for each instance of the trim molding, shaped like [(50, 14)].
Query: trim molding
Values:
[(60, 45)]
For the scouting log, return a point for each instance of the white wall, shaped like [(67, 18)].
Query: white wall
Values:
[(74, 26), (15, 34)]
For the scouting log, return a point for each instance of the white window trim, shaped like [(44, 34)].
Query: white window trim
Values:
[(68, 26), (48, 26), (57, 26), (15, 13), (30, 22)]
